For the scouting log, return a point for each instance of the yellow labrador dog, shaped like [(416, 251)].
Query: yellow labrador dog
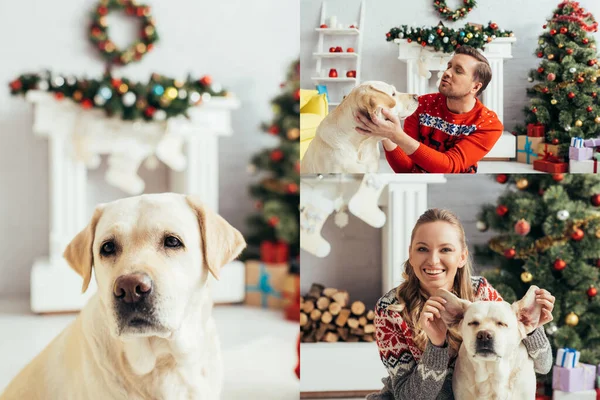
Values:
[(338, 147), (148, 332), (492, 362)]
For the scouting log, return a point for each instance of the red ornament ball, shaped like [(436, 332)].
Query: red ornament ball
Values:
[(276, 155), (510, 253), (596, 200), (540, 70), (591, 62), (388, 34), (206, 80), (540, 54), (273, 221), (297, 95), (571, 95), (332, 49), (59, 95), (274, 130), (501, 210), (494, 25), (569, 51), (585, 41), (553, 32), (559, 264), (598, 263), (558, 177), (555, 141), (258, 205), (87, 104), (501, 178), (581, 79), (544, 26), (577, 234), (592, 291), (551, 76), (292, 188), (16, 85), (594, 94), (563, 30), (522, 227), (409, 40), (545, 90), (589, 109), (534, 110)]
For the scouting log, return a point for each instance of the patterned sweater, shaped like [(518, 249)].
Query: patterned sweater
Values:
[(414, 374), (450, 143)]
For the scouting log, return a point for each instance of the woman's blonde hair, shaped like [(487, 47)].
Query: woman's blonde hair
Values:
[(413, 297)]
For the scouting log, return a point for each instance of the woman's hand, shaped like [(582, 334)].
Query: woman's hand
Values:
[(431, 320), (546, 300), (388, 128)]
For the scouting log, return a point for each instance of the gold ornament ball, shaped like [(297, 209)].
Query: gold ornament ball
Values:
[(593, 79), (550, 56), (572, 319), (123, 88), (522, 183), (597, 120), (553, 101), (578, 123), (469, 35), (109, 47), (560, 45), (293, 133), (149, 30), (140, 47), (526, 277), (466, 40)]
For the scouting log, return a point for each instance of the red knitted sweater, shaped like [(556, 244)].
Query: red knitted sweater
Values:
[(450, 143)]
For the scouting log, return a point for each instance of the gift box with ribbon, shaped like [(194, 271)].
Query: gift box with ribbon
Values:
[(567, 357), (591, 142), (581, 377), (584, 166), (545, 148), (582, 395), (264, 284), (578, 151), (526, 148), (551, 164), (535, 130), (274, 252)]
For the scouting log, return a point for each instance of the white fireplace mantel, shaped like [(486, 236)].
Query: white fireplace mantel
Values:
[(54, 286)]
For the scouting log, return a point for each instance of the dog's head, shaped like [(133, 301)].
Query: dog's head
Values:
[(373, 96), (150, 255), (491, 329)]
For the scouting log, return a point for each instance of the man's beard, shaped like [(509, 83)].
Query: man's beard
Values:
[(452, 95)]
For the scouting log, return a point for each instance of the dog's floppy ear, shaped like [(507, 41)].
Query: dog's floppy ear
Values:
[(79, 253), (528, 312), (373, 99), (221, 242), (455, 308)]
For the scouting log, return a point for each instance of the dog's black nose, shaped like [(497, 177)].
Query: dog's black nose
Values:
[(484, 336), (132, 288)]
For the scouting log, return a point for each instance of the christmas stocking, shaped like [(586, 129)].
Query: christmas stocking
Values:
[(123, 166), (312, 217), (169, 151), (364, 202)]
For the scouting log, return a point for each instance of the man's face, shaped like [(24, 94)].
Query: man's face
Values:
[(457, 81)]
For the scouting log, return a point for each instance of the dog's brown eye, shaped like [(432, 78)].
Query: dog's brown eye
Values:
[(501, 324), (473, 323), (172, 241), (108, 248)]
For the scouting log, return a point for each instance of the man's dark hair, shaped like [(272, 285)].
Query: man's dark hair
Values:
[(483, 71)]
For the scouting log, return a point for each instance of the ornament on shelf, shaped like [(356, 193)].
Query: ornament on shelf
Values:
[(526, 277), (562, 215), (333, 73), (481, 226), (522, 183), (577, 234), (572, 319), (522, 227), (510, 253), (501, 178), (501, 210), (592, 291), (559, 264)]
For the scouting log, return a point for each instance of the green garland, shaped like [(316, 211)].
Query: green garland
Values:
[(446, 39), (451, 15), (161, 98), (99, 31)]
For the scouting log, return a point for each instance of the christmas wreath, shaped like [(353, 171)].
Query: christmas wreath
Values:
[(453, 15), (99, 36), (159, 99), (446, 39)]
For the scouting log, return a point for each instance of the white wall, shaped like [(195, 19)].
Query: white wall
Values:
[(245, 45), (354, 263), (380, 58)]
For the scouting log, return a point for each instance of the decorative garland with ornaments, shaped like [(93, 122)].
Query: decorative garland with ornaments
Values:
[(448, 39), (99, 36), (159, 99), (453, 15)]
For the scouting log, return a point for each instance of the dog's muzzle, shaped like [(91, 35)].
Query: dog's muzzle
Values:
[(484, 345), (134, 300)]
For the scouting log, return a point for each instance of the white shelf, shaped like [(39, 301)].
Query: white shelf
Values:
[(341, 79), (345, 31), (336, 55)]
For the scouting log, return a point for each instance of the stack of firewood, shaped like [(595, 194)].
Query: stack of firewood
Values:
[(328, 316)]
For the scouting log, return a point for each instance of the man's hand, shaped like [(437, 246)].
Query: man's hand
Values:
[(388, 129)]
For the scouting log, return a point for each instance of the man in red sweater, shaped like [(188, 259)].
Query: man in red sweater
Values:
[(451, 130)]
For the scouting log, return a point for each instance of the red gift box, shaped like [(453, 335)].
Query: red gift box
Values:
[(535, 130), (551, 164), (274, 252)]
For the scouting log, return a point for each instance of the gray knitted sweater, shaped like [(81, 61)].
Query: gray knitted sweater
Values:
[(428, 375)]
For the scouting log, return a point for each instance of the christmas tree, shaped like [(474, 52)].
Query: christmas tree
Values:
[(277, 193), (549, 236), (564, 98)]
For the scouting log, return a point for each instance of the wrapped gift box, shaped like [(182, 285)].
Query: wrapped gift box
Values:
[(550, 167), (526, 148), (591, 142), (274, 252), (583, 167), (582, 377), (582, 395), (580, 153), (535, 130), (264, 284), (567, 357), (546, 148)]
